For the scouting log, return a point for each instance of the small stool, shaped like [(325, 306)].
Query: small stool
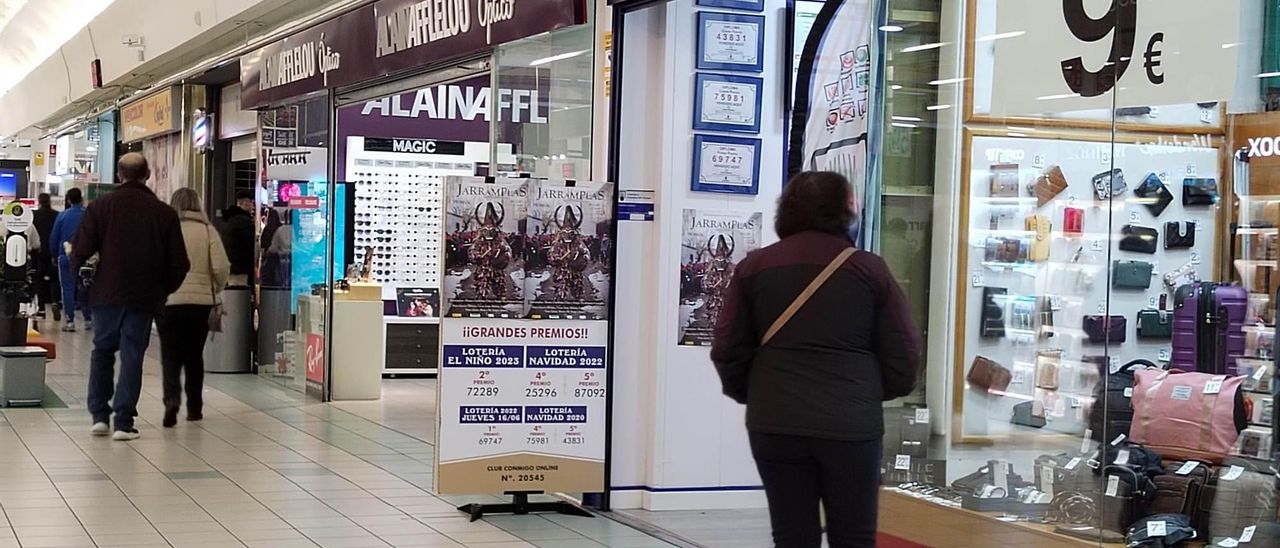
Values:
[(21, 375)]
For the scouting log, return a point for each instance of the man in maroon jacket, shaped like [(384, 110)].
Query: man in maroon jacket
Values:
[(141, 260)]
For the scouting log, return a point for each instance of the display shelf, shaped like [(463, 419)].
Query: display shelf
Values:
[(406, 320)]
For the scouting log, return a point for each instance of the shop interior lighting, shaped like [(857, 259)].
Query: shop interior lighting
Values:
[(923, 47), (895, 87), (937, 107), (1001, 36), (1269, 75), (947, 81), (904, 125), (1056, 97), (554, 58), (891, 28), (907, 119)]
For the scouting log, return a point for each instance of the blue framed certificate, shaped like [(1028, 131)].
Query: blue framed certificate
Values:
[(745, 5), (730, 41), (726, 164), (727, 103)]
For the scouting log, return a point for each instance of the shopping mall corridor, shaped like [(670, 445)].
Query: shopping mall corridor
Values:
[(266, 467)]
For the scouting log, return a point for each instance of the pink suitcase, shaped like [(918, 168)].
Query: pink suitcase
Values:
[(1173, 416)]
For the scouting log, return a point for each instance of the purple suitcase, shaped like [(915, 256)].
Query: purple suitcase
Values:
[(1208, 338)]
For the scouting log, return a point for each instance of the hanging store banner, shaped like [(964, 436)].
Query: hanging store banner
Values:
[(521, 406), (390, 36), (712, 245), (1054, 56), (155, 114), (567, 272), (833, 91)]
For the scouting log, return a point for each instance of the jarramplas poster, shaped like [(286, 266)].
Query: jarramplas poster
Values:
[(712, 244), (567, 250), (484, 247)]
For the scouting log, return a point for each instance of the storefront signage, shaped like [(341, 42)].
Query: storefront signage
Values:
[(156, 114), (315, 363), (415, 146), (304, 202), (1257, 135), (391, 36), (1055, 56), (296, 163)]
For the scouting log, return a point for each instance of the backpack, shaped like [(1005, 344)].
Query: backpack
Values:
[(1112, 412)]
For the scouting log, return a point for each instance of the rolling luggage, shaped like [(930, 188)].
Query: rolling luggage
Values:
[(1208, 327)]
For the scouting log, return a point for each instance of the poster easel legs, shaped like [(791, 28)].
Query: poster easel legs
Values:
[(520, 506)]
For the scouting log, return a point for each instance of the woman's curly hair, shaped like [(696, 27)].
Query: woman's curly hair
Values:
[(814, 200)]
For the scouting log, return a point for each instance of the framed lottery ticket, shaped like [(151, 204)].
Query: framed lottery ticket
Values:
[(726, 164), (745, 5), (727, 103), (730, 41)]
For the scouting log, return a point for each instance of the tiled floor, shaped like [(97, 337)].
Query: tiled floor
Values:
[(266, 467)]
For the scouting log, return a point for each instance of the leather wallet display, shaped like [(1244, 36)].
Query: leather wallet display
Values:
[(1179, 234), (1005, 250), (1131, 274), (1199, 192), (1048, 362), (1038, 248), (1049, 185), (1154, 324), (1024, 414), (986, 374), (1073, 221), (1154, 194), (1108, 184), (992, 322), (1140, 239), (1106, 329), (1004, 180)]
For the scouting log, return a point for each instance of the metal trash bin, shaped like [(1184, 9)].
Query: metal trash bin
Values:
[(21, 375), (229, 351)]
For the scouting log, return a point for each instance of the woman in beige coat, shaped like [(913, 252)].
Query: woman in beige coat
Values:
[(184, 326)]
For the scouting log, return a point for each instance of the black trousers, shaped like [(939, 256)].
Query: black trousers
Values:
[(183, 329), (803, 474)]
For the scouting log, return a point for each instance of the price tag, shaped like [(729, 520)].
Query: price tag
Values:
[(1157, 529), (1073, 463), (1247, 535), (922, 414), (1206, 116), (1106, 157), (1113, 485), (1214, 385), (1044, 498), (1038, 161), (978, 279), (1228, 542), (1191, 170), (1163, 355), (1102, 307), (1233, 473), (1084, 442), (1019, 377), (1046, 477), (1097, 245), (1002, 475), (1128, 391), (1195, 257), (1133, 215), (1155, 112), (1187, 467), (1093, 460), (1113, 365), (1122, 458), (902, 462), (1071, 199), (1164, 176), (1260, 372), (1118, 439), (1151, 301)]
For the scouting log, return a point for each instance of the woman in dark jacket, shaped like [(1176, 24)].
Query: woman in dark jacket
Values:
[(814, 390)]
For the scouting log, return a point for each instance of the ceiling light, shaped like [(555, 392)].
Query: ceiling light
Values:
[(895, 87), (1001, 36), (554, 58), (1269, 75), (903, 124), (1056, 97), (891, 28), (937, 107), (907, 118), (946, 81), (923, 47)]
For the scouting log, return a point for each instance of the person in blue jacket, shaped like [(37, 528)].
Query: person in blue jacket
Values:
[(63, 230)]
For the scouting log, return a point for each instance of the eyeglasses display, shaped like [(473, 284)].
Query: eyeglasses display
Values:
[(399, 209)]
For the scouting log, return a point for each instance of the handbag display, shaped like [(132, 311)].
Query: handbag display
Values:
[(1004, 180), (1105, 329), (1187, 416), (1109, 184), (1249, 498), (1155, 324), (1201, 476), (1199, 192), (991, 324), (1049, 185), (1040, 227), (1072, 221), (1131, 274), (1140, 239), (1154, 194), (986, 374), (1048, 364), (1179, 234), (1177, 528)]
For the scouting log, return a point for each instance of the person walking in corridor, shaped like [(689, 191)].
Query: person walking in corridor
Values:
[(63, 229), (813, 337), (43, 218), (142, 260), (186, 319)]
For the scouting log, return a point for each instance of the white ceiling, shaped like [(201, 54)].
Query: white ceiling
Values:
[(33, 30)]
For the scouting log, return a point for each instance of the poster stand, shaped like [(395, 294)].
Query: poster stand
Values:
[(521, 506)]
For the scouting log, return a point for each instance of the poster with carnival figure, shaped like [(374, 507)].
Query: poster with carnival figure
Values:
[(712, 245), (484, 247), (567, 250)]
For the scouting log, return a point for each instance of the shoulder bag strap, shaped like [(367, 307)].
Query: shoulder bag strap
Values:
[(805, 295)]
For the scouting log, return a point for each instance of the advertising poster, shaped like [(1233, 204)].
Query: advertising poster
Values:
[(484, 247), (521, 406), (567, 251), (712, 244), (417, 302), (315, 364)]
